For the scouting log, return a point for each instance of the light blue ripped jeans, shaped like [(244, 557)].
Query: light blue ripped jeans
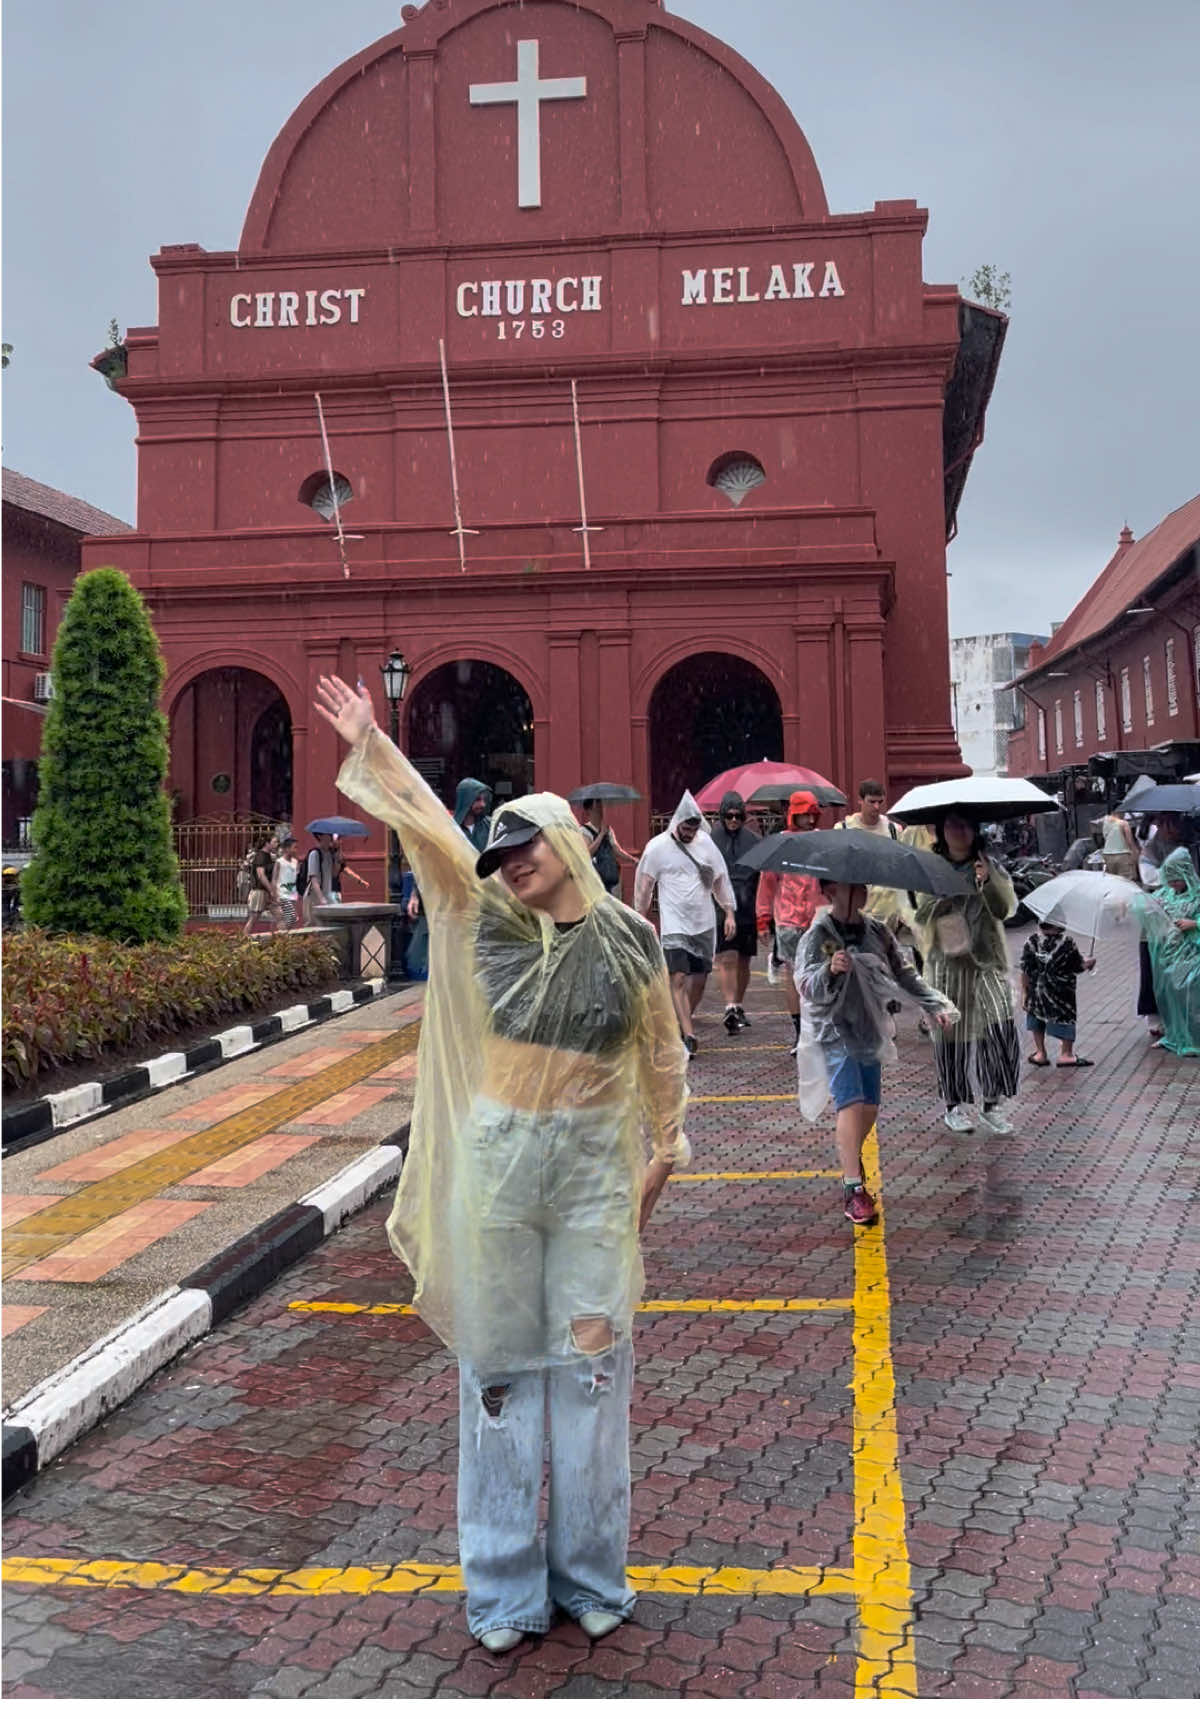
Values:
[(548, 1204)]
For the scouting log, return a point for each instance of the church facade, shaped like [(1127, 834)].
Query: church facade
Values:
[(542, 359)]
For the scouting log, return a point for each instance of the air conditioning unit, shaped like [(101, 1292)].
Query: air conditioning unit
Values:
[(43, 688)]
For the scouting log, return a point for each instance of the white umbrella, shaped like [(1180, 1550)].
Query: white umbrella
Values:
[(1090, 903), (991, 798)]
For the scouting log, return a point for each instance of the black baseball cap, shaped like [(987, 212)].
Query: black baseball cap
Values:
[(509, 830)]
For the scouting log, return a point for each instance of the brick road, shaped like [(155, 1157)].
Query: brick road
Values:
[(954, 1462)]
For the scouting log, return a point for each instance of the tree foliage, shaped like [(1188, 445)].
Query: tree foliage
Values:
[(991, 286), (103, 860)]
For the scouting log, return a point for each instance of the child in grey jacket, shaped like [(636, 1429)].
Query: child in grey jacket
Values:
[(848, 968)]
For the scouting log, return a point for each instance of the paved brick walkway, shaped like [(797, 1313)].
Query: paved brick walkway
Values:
[(949, 1456)]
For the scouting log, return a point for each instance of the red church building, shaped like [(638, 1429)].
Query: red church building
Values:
[(680, 493)]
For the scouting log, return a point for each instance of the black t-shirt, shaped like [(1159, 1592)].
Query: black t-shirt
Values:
[(264, 862), (583, 994), (851, 935)]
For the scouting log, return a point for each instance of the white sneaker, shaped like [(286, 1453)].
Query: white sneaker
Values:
[(960, 1120), (996, 1121), (597, 1623), (774, 970), (501, 1640)]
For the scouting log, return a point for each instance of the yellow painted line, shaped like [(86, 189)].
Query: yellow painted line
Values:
[(742, 1098), (776, 1304), (219, 1581), (886, 1665), (750, 1175), (42, 1232)]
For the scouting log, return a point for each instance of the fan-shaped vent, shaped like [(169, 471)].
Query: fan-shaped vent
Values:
[(736, 477), (321, 500)]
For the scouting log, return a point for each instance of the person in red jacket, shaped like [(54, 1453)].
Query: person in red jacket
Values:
[(791, 900)]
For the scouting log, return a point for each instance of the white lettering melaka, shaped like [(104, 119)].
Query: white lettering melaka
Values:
[(539, 297), (282, 309), (717, 285)]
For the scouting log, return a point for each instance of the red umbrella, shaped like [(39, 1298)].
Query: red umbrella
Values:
[(747, 777)]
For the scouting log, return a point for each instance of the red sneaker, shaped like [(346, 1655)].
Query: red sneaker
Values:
[(859, 1206)]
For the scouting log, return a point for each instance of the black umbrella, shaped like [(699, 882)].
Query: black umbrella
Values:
[(821, 792), (852, 856), (613, 791), (1167, 797)]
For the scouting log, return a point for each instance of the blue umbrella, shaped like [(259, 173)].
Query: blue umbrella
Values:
[(337, 827)]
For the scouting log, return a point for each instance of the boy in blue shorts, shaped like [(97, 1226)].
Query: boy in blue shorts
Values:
[(848, 967)]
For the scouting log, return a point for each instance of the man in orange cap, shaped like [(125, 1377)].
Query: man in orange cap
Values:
[(791, 900)]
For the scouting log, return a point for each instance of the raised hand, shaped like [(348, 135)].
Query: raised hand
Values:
[(350, 712)]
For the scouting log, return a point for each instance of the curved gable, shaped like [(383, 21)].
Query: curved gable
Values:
[(394, 148)]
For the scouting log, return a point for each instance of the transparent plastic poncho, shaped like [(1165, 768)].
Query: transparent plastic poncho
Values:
[(1175, 952), (848, 1012), (549, 1062), (966, 956)]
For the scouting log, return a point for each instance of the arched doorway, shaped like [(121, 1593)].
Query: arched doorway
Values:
[(708, 713), (472, 718), (231, 748)]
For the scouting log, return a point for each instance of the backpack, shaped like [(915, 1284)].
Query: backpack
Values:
[(608, 867), (304, 876), (245, 875)]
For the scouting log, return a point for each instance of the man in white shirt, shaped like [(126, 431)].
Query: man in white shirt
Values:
[(686, 866)]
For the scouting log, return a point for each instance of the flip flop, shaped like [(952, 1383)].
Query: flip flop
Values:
[(1079, 1062), (1039, 1061)]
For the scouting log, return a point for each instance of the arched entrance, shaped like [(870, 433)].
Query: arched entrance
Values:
[(708, 713), (231, 748), (472, 718)]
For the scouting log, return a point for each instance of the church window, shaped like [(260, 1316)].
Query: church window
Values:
[(735, 475), (33, 620), (1126, 703), (315, 492), (1148, 691), (1058, 725), (1078, 717), (1172, 679), (1101, 722)]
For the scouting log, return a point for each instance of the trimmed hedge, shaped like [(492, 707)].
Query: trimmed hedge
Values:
[(73, 999), (103, 863)]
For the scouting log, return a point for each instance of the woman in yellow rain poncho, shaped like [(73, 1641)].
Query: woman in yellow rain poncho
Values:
[(549, 1051)]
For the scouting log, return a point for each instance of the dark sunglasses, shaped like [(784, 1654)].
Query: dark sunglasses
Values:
[(740, 817)]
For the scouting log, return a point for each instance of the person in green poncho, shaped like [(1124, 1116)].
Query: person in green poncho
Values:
[(1173, 938)]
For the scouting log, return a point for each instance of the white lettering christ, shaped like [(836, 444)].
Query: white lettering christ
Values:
[(529, 92)]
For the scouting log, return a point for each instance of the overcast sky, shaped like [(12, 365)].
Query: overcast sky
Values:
[(1058, 139)]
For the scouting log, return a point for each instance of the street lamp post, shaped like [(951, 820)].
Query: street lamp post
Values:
[(396, 673)]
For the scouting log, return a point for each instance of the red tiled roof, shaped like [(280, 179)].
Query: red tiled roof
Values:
[(1130, 573), (33, 497)]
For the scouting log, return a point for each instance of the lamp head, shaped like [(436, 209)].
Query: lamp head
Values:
[(396, 675)]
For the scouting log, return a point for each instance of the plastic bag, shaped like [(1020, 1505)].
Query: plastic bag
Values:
[(812, 1076), (953, 933)]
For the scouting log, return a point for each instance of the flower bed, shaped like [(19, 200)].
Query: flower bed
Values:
[(78, 999)]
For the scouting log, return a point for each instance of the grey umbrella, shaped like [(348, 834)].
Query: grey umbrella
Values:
[(1166, 797), (612, 791), (853, 856)]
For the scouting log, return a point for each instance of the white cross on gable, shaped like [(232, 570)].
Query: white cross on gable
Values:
[(529, 92)]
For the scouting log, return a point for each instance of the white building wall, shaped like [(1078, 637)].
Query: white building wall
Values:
[(984, 717)]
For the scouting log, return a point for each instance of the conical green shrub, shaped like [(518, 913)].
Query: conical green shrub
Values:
[(103, 859)]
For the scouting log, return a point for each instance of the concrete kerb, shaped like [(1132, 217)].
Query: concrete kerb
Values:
[(29, 1124), (42, 1424)]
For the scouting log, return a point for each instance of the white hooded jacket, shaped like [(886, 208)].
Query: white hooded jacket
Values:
[(688, 875)]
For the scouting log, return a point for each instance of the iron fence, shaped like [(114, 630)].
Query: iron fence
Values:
[(210, 854)]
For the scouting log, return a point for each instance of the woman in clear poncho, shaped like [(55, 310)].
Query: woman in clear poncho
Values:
[(978, 1060), (548, 1054), (1173, 939)]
